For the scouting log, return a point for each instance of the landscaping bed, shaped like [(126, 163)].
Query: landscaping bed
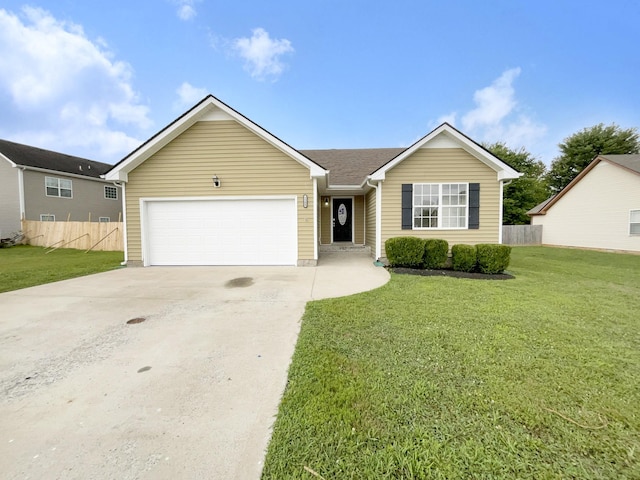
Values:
[(425, 272)]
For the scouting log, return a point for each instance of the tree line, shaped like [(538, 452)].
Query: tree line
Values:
[(576, 152)]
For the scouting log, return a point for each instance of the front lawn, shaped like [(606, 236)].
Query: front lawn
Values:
[(434, 377), (25, 266)]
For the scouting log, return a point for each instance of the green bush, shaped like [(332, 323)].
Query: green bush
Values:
[(405, 251), (435, 253), (493, 258), (463, 258)]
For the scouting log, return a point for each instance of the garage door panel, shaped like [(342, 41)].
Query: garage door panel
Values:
[(221, 232)]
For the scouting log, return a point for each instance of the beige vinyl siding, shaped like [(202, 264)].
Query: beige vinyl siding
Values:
[(358, 217), (442, 165), (246, 165), (594, 213), (370, 219), (325, 222)]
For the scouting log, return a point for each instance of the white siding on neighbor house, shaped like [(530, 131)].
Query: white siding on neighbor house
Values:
[(9, 199), (594, 213)]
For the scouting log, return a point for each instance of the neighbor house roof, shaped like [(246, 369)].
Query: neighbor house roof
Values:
[(38, 158), (351, 166), (630, 163)]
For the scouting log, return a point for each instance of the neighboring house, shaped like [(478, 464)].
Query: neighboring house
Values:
[(37, 184), (599, 209), (214, 188)]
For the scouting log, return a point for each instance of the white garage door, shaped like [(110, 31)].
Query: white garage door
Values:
[(221, 232)]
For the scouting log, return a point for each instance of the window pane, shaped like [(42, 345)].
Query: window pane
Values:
[(635, 229), (65, 183), (65, 193), (51, 182), (635, 216), (52, 191)]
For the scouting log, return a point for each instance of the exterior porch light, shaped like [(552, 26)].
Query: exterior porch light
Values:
[(216, 181), (326, 201), (305, 201)]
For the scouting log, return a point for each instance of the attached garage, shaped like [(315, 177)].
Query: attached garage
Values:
[(220, 231)]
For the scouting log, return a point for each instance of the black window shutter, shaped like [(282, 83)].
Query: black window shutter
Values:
[(407, 206), (474, 206)]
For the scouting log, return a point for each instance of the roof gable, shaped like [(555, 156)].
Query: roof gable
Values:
[(630, 163), (208, 109), (446, 136), (38, 158)]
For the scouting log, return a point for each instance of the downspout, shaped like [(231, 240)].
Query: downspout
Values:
[(378, 189), (124, 221), (23, 212), (315, 219), (502, 185)]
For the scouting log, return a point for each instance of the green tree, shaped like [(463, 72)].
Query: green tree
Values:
[(524, 193), (579, 149)]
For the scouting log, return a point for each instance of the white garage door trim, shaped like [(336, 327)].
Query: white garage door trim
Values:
[(270, 237)]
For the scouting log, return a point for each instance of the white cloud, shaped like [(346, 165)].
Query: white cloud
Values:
[(63, 89), (186, 9), (498, 116), (188, 95), (262, 54)]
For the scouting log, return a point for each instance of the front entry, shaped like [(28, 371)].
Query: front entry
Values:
[(343, 220)]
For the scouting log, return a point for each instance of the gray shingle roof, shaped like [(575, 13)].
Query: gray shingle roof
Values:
[(632, 162), (351, 166), (28, 156)]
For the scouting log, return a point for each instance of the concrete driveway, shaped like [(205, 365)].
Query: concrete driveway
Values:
[(190, 391)]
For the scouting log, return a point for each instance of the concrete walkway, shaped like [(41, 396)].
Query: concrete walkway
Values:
[(190, 391)]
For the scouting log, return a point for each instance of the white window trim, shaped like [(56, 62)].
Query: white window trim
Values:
[(105, 192), (43, 215), (631, 212), (59, 187), (440, 184)]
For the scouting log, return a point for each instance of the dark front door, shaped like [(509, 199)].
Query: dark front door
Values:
[(342, 219)]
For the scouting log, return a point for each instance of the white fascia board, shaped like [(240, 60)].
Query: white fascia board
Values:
[(120, 171), (504, 171), (12, 163), (205, 110), (58, 173)]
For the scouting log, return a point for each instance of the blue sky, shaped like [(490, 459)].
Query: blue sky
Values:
[(97, 78)]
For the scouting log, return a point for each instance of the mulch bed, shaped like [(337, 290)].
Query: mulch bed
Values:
[(450, 273)]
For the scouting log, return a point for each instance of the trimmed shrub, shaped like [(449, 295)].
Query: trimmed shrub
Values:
[(493, 258), (463, 258), (405, 251), (435, 253)]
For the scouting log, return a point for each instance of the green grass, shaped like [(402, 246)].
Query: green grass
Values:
[(24, 266), (432, 377)]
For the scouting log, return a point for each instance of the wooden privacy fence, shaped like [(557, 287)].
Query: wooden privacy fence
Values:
[(80, 235), (522, 234)]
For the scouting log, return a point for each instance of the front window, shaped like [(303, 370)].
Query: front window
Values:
[(440, 205), (634, 222), (58, 187)]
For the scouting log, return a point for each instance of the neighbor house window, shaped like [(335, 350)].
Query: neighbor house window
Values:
[(110, 192), (634, 222), (58, 187), (47, 217), (104, 219), (440, 205)]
